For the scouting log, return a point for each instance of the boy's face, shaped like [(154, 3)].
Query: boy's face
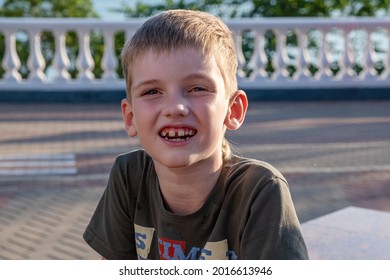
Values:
[(178, 108)]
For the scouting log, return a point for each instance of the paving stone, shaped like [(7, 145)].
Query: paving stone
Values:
[(333, 154), (47, 224)]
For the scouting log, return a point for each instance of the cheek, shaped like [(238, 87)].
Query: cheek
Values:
[(221, 111), (217, 118), (144, 118)]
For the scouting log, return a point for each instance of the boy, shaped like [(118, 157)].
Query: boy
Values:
[(185, 196)]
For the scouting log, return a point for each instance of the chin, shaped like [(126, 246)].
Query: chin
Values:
[(176, 161)]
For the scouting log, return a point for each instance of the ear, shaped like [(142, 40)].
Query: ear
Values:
[(237, 110), (128, 118)]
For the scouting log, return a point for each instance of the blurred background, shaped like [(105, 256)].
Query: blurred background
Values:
[(316, 73)]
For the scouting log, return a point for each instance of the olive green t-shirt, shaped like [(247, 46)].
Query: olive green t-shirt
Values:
[(248, 215)]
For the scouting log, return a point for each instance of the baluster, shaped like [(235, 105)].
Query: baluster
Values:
[(340, 60), (303, 59), (368, 60), (109, 62), (284, 57), (346, 70), (278, 61), (386, 58), (262, 56), (299, 58), (85, 62), (237, 35), (355, 51), (323, 57), (254, 62), (61, 60), (315, 56), (36, 62), (11, 62), (332, 56), (360, 50)]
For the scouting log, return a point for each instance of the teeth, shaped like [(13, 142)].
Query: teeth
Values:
[(181, 133), (177, 134)]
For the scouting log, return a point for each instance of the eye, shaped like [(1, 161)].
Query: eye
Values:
[(150, 92), (198, 89)]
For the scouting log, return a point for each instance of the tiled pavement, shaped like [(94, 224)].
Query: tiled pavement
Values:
[(55, 158)]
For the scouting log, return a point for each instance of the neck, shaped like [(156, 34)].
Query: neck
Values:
[(186, 189)]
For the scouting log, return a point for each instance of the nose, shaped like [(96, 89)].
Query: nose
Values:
[(176, 105)]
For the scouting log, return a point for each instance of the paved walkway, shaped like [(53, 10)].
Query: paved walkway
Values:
[(54, 162)]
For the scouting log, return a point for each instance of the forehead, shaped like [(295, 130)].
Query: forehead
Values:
[(183, 66), (174, 53), (182, 59)]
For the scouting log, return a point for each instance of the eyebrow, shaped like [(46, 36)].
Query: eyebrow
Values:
[(199, 76), (144, 83), (196, 76)]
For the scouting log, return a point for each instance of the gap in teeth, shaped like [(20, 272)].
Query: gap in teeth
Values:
[(177, 133)]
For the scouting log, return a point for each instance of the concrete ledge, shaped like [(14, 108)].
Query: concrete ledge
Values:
[(116, 95), (318, 94), (349, 234), (62, 96)]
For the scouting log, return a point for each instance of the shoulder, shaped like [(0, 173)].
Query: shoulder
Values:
[(252, 170), (253, 179), (127, 174), (133, 160), (132, 165)]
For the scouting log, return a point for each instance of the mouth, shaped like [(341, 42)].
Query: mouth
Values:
[(177, 134)]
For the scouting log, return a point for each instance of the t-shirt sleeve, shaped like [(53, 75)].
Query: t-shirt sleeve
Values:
[(111, 229), (272, 230)]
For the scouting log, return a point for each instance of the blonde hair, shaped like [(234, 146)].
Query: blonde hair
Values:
[(174, 29)]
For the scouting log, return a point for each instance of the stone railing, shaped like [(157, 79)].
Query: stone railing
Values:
[(273, 53)]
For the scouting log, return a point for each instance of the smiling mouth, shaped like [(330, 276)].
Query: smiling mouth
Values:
[(177, 134)]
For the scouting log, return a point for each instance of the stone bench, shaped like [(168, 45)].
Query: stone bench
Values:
[(351, 233)]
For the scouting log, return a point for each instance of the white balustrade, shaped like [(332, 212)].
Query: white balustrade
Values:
[(11, 60), (61, 59), (36, 63), (335, 48), (85, 61), (109, 60)]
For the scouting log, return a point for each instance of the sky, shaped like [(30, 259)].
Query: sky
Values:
[(103, 6)]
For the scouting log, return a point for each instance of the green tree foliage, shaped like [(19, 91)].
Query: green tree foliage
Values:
[(264, 8), (47, 8)]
